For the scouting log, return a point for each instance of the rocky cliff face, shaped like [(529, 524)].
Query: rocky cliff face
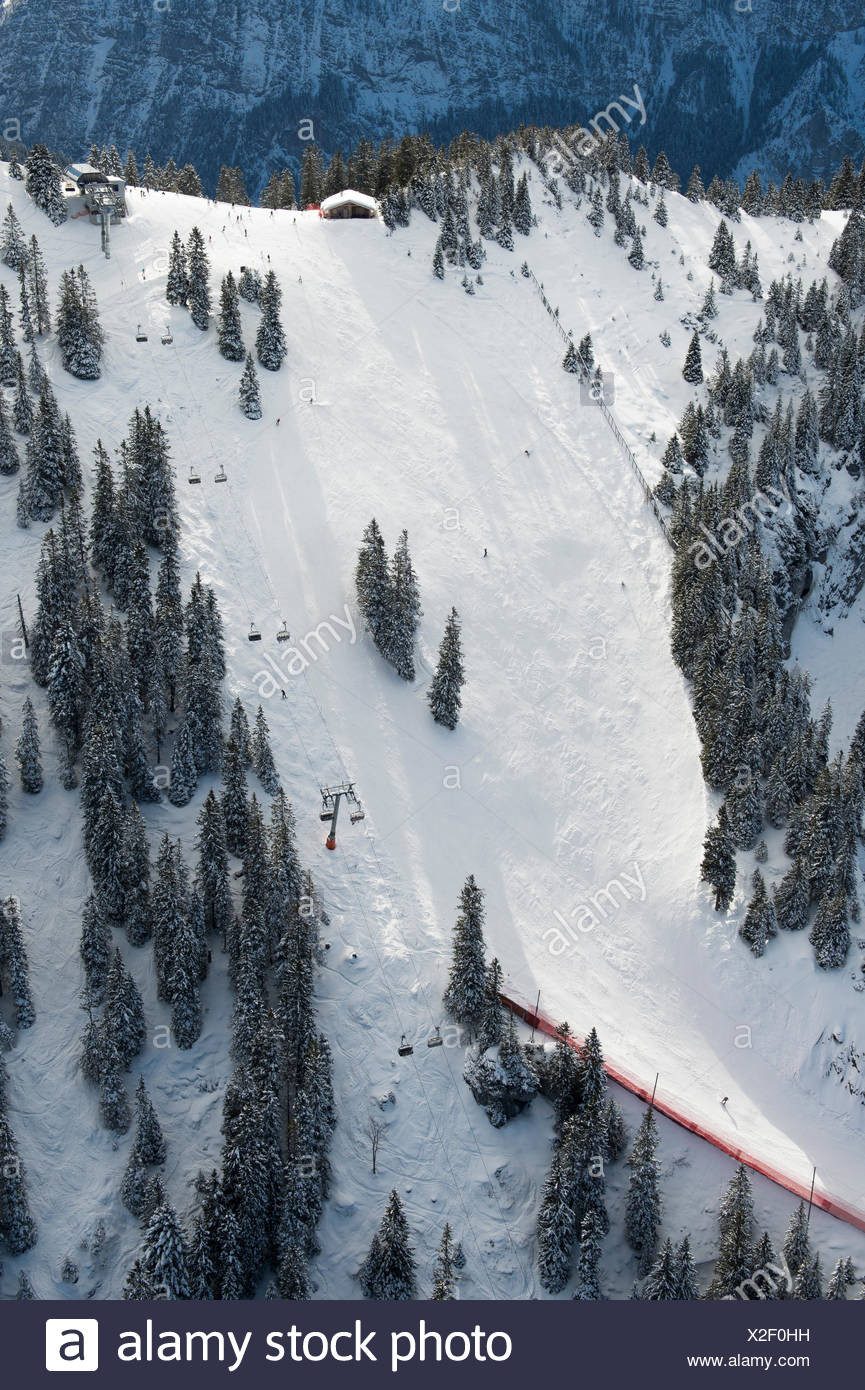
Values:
[(211, 80)]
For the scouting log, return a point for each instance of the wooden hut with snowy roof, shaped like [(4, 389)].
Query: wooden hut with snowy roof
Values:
[(348, 204)]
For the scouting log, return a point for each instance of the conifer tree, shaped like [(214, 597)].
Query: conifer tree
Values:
[(27, 751), (404, 611), (184, 773), (759, 922), (591, 1235), (557, 1221), (123, 1018), (164, 1254), (229, 331), (262, 757), (212, 878), (373, 584), (686, 1272), (465, 995), (250, 396), (643, 1207), (389, 1270), (177, 283), (735, 1263), (719, 862), (693, 368), (270, 344), (198, 283), (444, 1276), (235, 805), (113, 1100), (149, 1140), (78, 329), (42, 182), (797, 1248), (239, 731), (17, 1227), (13, 962), (444, 697), (95, 948), (292, 1277)]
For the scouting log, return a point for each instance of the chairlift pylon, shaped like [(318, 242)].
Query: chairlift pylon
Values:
[(253, 635), (435, 1039), (405, 1049), (140, 337), (283, 635)]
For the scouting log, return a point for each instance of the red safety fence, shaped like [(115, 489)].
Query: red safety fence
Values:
[(855, 1216)]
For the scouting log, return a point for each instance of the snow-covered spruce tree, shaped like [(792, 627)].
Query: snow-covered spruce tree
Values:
[(404, 611), (23, 413), (177, 284), (123, 1017), (239, 731), (570, 362), (591, 1236), (759, 923), (686, 1272), (562, 1077), (262, 757), (837, 1286), (636, 255), (113, 1100), (444, 1274), (830, 934), (134, 1185), (27, 753), (234, 800), (808, 1284), (13, 962), (389, 1270), (693, 368), (164, 1255), (797, 1246), (8, 350), (229, 332), (79, 332), (444, 695), (735, 1263), (212, 876), (438, 262), (719, 862), (184, 773), (17, 1227), (42, 182), (660, 215), (722, 257), (643, 1207), (523, 218), (501, 1079), (270, 344), (198, 280), (373, 585), (465, 994), (136, 879), (249, 393), (557, 1222), (37, 288), (148, 1133), (95, 948), (292, 1277), (13, 243), (662, 1284)]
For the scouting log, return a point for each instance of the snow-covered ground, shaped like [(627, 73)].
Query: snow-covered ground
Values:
[(574, 771)]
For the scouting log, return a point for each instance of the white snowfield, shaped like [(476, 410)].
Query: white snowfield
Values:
[(571, 788)]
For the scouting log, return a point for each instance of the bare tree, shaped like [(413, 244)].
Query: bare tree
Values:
[(375, 1132)]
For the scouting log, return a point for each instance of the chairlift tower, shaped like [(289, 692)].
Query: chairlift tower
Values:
[(330, 799)]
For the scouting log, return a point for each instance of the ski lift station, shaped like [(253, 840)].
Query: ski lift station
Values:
[(90, 193), (348, 204)]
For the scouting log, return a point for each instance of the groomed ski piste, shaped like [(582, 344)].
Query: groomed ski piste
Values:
[(571, 789)]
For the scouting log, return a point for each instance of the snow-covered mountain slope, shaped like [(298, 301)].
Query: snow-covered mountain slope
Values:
[(725, 85), (575, 767)]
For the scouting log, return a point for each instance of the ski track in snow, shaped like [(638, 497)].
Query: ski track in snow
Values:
[(577, 758)]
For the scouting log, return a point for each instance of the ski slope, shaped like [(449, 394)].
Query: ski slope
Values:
[(571, 788)]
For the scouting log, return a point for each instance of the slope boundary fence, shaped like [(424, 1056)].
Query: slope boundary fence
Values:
[(608, 415), (844, 1211)]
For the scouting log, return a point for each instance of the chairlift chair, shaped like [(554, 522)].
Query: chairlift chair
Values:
[(221, 476), (356, 814), (283, 635), (168, 336), (253, 635), (435, 1039), (405, 1049), (194, 475), (140, 337)]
